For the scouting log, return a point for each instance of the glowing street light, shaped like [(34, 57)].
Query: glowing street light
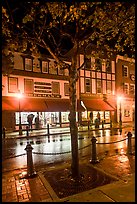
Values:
[(19, 95)]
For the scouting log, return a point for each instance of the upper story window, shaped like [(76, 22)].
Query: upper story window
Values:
[(126, 88), (28, 86), (109, 88), (88, 63), (125, 70), (28, 64), (55, 88), (13, 84), (132, 89), (66, 89), (87, 85), (45, 67), (52, 67), (98, 64), (108, 66), (99, 86)]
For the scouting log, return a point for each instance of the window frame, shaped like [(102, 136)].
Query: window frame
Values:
[(25, 79), (13, 90)]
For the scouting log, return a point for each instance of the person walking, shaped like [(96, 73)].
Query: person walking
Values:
[(98, 117), (30, 119)]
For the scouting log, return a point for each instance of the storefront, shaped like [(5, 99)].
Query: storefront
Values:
[(55, 112), (52, 118), (95, 107)]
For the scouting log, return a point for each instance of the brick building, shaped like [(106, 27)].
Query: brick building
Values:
[(45, 90)]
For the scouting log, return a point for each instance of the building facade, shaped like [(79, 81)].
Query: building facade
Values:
[(125, 88), (45, 91)]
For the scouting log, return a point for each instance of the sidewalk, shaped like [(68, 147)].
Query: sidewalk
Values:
[(16, 188), (37, 189), (59, 130)]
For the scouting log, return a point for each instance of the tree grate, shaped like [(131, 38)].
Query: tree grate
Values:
[(63, 185)]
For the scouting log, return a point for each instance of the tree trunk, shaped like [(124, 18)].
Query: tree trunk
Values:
[(73, 109)]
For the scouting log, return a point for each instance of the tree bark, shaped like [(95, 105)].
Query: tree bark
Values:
[(73, 109)]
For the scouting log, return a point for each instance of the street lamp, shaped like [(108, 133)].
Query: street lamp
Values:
[(19, 95), (120, 112)]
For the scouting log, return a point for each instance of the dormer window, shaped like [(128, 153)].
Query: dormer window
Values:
[(28, 64)]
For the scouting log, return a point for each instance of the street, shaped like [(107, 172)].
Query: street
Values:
[(57, 148)]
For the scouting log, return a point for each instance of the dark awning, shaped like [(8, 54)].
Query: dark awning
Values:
[(37, 104), (26, 104), (97, 105)]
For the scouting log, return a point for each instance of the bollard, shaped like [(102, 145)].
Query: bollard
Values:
[(27, 130), (20, 130), (94, 155), (48, 129), (129, 148), (30, 168), (4, 132)]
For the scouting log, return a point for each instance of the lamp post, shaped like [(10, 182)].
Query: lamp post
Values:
[(20, 126), (120, 112)]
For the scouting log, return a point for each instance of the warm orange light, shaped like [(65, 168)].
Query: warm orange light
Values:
[(19, 95), (119, 98)]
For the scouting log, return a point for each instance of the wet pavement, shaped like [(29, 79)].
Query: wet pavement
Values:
[(16, 188)]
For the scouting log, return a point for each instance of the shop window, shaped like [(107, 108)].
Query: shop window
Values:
[(28, 86), (98, 64), (66, 89), (55, 88), (125, 70), (28, 64), (132, 89), (126, 88), (44, 67), (87, 86), (13, 84), (99, 86)]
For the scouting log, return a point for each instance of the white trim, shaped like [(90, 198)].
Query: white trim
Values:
[(124, 58)]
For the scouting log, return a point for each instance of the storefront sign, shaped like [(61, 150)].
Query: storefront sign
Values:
[(44, 95)]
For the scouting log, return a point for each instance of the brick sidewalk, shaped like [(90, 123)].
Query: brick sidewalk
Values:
[(16, 189)]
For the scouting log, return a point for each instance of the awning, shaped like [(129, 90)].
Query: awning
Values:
[(26, 104), (61, 105), (37, 104), (112, 103), (97, 105)]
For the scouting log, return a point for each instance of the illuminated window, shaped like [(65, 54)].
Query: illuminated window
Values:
[(55, 88), (44, 67), (126, 88), (28, 64), (13, 84), (28, 86), (66, 89), (87, 86), (132, 89), (125, 70), (109, 87), (99, 86)]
